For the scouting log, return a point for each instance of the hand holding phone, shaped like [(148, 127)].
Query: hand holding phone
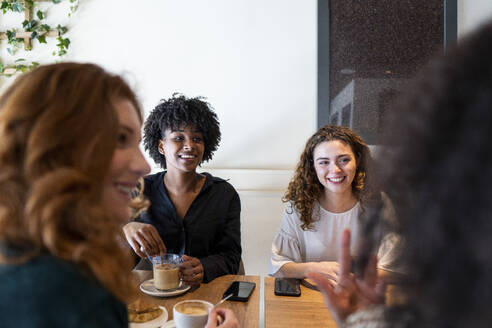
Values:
[(240, 290), (287, 287)]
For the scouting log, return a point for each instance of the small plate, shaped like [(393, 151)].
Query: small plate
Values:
[(169, 324), (155, 323), (148, 288)]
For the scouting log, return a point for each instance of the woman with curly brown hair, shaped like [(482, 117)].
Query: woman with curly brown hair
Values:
[(69, 159), (329, 190)]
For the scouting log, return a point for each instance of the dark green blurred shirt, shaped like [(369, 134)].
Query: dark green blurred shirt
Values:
[(49, 292)]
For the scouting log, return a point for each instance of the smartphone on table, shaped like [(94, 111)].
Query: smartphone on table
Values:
[(287, 287), (240, 290)]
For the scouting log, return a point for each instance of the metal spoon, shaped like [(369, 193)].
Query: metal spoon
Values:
[(148, 256), (222, 301)]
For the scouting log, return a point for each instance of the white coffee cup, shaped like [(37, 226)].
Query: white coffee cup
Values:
[(191, 313)]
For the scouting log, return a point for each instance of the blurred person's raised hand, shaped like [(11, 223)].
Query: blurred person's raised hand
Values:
[(228, 319), (349, 293), (144, 238)]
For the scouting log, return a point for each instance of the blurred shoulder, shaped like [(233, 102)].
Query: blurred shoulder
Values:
[(57, 276), (54, 290)]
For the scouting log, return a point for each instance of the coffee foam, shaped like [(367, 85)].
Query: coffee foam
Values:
[(166, 266), (193, 308)]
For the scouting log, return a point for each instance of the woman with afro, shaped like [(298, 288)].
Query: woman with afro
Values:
[(192, 214)]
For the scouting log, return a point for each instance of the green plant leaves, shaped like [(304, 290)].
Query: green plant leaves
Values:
[(13, 41), (15, 6), (41, 39), (10, 35), (61, 29), (63, 44), (37, 31), (30, 25), (20, 65), (45, 27)]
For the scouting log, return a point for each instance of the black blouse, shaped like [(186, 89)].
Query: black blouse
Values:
[(210, 230)]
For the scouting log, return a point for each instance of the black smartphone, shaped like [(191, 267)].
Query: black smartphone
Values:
[(287, 287), (240, 290)]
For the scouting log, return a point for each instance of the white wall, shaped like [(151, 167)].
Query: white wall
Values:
[(472, 13), (254, 60)]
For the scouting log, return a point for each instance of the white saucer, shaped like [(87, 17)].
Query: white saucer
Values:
[(169, 324), (160, 321), (148, 288)]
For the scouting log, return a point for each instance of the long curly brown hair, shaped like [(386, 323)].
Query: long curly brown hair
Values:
[(304, 189), (58, 132)]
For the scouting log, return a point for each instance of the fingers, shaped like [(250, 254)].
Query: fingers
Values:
[(380, 292), (150, 240), (143, 238), (130, 238), (326, 287), (191, 270), (370, 286), (136, 248), (335, 271), (158, 246), (229, 319), (212, 319), (192, 278), (374, 294), (371, 272), (345, 258), (328, 268), (331, 275), (333, 283)]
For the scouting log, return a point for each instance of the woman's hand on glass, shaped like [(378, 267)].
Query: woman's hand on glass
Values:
[(144, 238), (191, 270)]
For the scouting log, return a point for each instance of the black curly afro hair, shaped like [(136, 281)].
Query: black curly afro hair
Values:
[(179, 111)]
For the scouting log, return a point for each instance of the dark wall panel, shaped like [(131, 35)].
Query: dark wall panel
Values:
[(367, 52)]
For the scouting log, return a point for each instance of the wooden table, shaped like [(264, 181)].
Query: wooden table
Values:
[(247, 313), (308, 310)]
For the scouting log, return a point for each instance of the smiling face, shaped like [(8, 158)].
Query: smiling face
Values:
[(127, 164), (335, 165), (183, 148)]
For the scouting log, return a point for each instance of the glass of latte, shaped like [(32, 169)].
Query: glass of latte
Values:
[(166, 271)]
